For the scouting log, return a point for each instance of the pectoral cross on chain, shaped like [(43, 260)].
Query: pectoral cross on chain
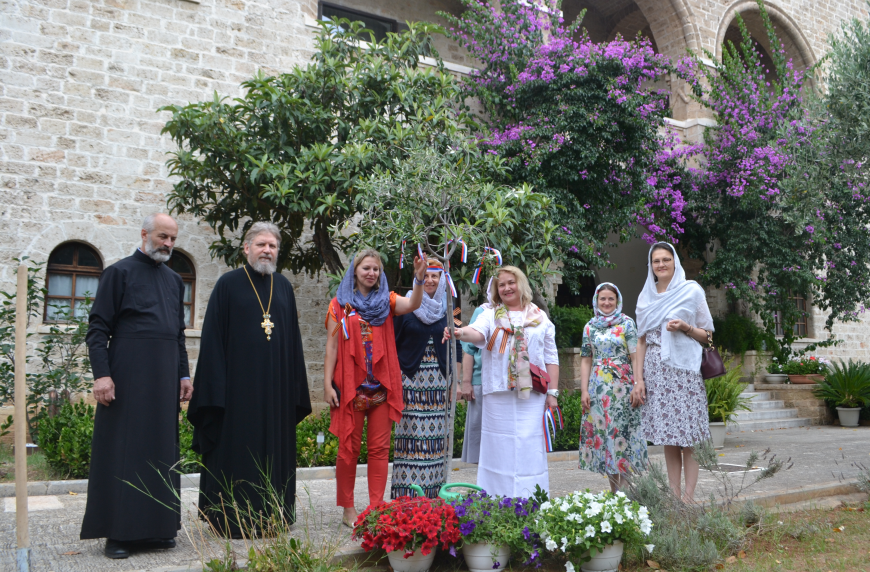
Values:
[(267, 325)]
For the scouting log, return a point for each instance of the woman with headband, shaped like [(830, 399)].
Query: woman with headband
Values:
[(420, 454), (611, 440), (673, 321), (362, 378)]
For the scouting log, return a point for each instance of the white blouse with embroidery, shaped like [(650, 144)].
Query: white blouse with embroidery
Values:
[(494, 369)]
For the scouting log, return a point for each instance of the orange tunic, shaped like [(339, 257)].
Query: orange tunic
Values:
[(350, 368)]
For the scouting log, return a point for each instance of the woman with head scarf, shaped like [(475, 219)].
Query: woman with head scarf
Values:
[(611, 442), (673, 321), (420, 454), (515, 335), (362, 379)]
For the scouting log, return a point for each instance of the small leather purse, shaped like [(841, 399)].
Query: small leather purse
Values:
[(540, 379), (711, 361)]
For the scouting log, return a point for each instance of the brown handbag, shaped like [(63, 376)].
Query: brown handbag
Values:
[(711, 361), (540, 379)]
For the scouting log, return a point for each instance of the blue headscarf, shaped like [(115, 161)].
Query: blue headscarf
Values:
[(373, 308)]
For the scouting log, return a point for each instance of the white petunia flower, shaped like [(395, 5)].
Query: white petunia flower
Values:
[(564, 543), (590, 531), (620, 494), (645, 526), (545, 505), (649, 547), (551, 545), (605, 526), (569, 567), (618, 518)]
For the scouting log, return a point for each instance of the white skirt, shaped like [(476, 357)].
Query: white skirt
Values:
[(512, 455), (473, 417)]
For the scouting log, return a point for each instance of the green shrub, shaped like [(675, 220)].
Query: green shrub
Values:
[(739, 334), (568, 439), (190, 461), (724, 397), (569, 324), (845, 385), (66, 439)]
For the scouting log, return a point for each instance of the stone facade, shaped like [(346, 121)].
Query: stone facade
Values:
[(82, 157)]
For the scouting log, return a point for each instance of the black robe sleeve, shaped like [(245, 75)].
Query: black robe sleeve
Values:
[(207, 405), (183, 365), (101, 321), (303, 397)]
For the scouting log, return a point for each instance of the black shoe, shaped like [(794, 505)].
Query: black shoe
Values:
[(156, 543), (116, 549)]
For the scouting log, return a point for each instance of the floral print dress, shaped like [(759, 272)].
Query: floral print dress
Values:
[(611, 440)]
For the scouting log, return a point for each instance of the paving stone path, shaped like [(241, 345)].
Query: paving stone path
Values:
[(820, 455)]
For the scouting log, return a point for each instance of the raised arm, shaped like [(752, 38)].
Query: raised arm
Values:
[(408, 305)]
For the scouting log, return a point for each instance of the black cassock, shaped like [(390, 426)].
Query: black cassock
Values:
[(136, 336), (248, 395)]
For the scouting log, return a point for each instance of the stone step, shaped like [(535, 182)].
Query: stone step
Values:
[(763, 414), (757, 395), (770, 424), (756, 405)]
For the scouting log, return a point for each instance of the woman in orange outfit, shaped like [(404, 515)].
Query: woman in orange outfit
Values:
[(361, 373)]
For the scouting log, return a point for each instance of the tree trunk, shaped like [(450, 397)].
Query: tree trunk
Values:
[(451, 386), (327, 252)]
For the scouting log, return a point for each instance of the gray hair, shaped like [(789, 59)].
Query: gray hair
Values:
[(148, 223), (259, 228)]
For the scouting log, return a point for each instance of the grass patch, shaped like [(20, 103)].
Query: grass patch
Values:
[(38, 468)]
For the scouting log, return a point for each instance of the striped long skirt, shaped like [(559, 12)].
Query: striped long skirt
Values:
[(420, 455)]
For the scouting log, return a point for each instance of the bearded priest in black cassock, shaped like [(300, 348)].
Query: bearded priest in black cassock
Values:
[(250, 391)]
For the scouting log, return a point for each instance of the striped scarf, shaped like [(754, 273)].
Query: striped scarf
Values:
[(519, 372)]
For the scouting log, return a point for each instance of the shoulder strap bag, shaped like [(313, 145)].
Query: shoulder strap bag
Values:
[(711, 361)]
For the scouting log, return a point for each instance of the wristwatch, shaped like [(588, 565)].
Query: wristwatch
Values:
[(553, 392)]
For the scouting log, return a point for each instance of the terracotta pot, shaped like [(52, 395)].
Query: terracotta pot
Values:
[(806, 379)]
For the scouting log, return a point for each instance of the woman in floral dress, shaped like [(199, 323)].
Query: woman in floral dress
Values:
[(611, 441)]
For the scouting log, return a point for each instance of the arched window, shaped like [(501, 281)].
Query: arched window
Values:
[(72, 277), (184, 267)]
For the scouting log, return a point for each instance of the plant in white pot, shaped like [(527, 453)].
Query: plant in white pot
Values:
[(775, 373), (846, 387), (591, 529), (724, 400), (492, 528)]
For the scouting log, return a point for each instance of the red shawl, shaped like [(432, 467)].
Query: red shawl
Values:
[(350, 368)]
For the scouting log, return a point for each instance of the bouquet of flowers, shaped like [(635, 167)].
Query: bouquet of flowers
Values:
[(496, 521), (408, 524), (581, 522), (806, 365)]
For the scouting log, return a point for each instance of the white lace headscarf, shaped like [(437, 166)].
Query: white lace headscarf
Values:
[(681, 300)]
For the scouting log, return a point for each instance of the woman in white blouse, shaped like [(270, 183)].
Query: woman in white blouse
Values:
[(514, 333)]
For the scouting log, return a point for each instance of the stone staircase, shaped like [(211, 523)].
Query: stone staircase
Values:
[(766, 413)]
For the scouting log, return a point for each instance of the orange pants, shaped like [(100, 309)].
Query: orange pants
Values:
[(378, 456)]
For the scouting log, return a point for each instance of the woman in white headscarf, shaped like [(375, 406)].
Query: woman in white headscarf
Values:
[(611, 440), (673, 320)]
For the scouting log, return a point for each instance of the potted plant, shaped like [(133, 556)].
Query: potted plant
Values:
[(590, 529), (775, 374), (724, 400), (806, 369), (846, 387), (492, 527), (409, 530)]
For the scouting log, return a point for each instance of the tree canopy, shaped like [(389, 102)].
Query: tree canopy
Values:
[(293, 148)]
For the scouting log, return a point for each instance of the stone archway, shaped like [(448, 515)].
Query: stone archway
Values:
[(796, 45)]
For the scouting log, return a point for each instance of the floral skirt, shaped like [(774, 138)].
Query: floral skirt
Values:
[(611, 439), (676, 406), (420, 455)]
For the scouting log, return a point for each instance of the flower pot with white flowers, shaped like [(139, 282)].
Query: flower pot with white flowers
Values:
[(590, 530), (846, 387), (775, 374)]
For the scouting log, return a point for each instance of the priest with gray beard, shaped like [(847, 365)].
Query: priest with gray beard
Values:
[(250, 391), (139, 360)]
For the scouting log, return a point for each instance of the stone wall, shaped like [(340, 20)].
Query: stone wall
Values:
[(82, 157)]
